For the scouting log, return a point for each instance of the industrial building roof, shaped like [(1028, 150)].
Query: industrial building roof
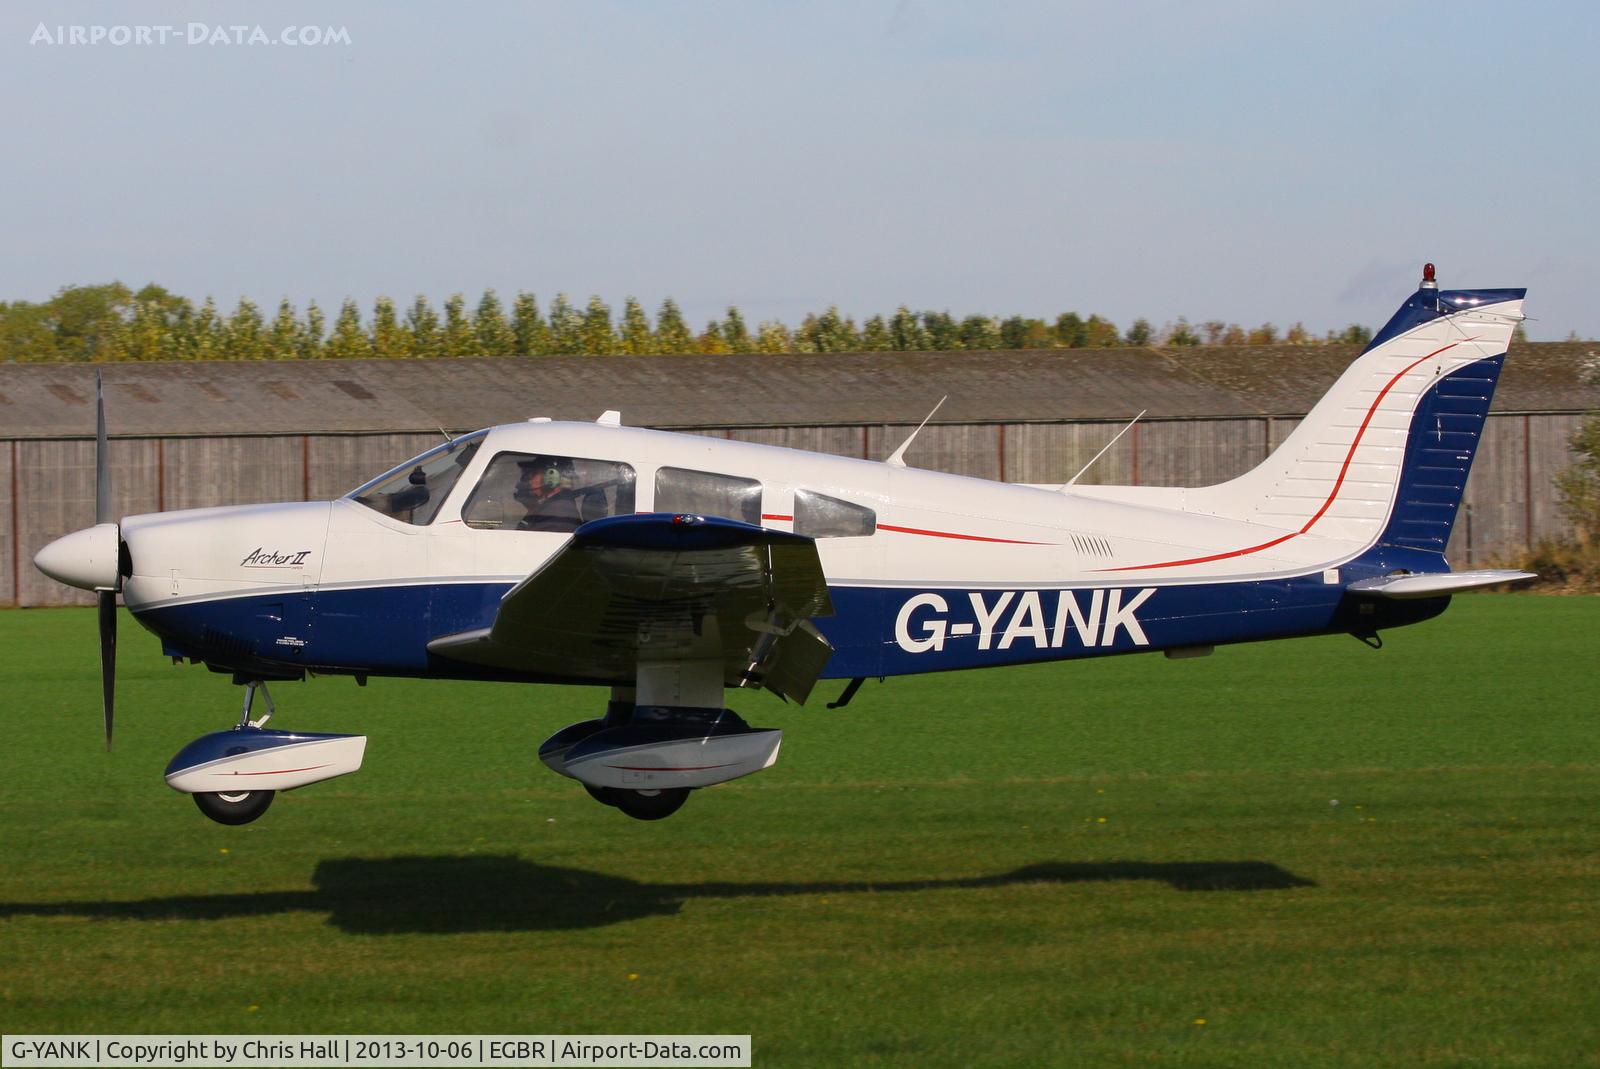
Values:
[(356, 396)]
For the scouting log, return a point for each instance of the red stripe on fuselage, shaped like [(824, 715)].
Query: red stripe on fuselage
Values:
[(962, 537), (935, 534), (1337, 483)]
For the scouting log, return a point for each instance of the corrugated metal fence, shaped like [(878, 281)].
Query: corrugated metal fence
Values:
[(47, 486)]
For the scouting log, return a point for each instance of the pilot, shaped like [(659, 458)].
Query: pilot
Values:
[(545, 490)]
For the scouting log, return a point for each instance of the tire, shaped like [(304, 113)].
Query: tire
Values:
[(654, 805), (603, 795), (240, 808)]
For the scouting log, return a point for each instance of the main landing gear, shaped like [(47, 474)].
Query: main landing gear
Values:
[(643, 760), (234, 775)]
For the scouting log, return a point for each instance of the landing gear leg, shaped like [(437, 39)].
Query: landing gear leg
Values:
[(249, 699)]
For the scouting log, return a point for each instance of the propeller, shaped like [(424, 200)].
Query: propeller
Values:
[(106, 598)]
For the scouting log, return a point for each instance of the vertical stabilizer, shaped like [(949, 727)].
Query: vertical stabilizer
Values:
[(1384, 456)]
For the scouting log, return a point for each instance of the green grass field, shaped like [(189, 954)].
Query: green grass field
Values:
[(1298, 853)]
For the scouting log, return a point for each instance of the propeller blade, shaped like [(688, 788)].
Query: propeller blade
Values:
[(108, 654), (102, 474), (107, 599)]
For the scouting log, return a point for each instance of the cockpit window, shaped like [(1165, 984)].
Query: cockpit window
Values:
[(413, 492), (539, 492)]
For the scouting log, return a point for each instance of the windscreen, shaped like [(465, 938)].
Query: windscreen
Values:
[(413, 492)]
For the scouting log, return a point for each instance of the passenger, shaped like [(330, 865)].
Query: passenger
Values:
[(544, 489)]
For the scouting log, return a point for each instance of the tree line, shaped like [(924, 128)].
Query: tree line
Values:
[(113, 322)]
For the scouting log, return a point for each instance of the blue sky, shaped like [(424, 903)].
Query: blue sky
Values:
[(1236, 160)]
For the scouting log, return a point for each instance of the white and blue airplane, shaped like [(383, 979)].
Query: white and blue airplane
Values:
[(672, 567)]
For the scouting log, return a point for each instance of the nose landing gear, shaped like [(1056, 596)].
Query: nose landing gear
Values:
[(234, 775)]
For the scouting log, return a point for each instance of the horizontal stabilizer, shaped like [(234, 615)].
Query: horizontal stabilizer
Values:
[(1436, 584)]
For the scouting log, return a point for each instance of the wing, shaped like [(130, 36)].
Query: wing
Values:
[(661, 588)]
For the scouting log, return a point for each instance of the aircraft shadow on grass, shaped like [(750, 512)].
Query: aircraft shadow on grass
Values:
[(501, 893)]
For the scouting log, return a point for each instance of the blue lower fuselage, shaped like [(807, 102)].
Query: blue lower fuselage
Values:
[(875, 631)]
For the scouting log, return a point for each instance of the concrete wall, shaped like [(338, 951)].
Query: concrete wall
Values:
[(47, 486)]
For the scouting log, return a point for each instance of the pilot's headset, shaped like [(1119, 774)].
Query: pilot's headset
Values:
[(552, 474)]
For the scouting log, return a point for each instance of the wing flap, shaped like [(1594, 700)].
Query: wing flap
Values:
[(789, 667), (660, 587)]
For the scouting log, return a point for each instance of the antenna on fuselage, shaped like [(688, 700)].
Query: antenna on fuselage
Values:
[(446, 434), (898, 457), (1068, 484)]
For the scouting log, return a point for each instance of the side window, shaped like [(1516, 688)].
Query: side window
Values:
[(705, 493), (536, 492), (819, 516)]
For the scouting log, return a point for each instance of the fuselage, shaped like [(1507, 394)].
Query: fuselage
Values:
[(927, 570)]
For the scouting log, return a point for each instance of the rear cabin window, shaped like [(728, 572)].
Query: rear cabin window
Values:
[(705, 493), (538, 492), (413, 492), (820, 516)]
